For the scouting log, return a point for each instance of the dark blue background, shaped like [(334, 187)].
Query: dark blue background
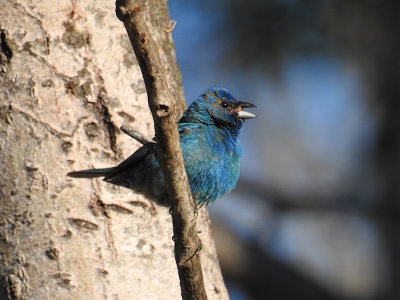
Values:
[(314, 215)]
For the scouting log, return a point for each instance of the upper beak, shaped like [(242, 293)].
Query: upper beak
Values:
[(242, 114)]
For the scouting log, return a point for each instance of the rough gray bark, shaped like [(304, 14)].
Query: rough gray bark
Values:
[(68, 80)]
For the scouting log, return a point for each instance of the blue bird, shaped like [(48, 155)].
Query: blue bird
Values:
[(209, 133)]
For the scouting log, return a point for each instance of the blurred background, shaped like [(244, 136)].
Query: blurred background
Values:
[(316, 213)]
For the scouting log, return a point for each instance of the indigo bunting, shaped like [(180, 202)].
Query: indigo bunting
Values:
[(209, 134)]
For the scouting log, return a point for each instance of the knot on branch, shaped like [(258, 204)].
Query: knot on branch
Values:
[(123, 11), (142, 38), (162, 110)]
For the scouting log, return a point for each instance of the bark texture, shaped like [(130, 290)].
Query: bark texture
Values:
[(169, 155), (68, 80)]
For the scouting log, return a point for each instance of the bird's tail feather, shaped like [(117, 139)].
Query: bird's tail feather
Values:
[(90, 173)]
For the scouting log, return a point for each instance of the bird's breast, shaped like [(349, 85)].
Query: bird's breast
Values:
[(212, 168)]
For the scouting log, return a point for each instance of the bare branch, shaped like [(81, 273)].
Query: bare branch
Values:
[(168, 150), (140, 137)]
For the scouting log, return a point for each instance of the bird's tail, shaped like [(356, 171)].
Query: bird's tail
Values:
[(90, 173)]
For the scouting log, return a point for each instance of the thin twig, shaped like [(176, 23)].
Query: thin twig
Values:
[(140, 137), (168, 151)]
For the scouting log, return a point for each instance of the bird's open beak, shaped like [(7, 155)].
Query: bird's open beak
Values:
[(242, 114)]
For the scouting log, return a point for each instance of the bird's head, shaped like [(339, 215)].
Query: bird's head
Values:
[(218, 107)]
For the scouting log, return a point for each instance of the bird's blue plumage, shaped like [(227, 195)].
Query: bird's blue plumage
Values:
[(209, 135)]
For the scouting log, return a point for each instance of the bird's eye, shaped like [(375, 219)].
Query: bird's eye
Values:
[(224, 104)]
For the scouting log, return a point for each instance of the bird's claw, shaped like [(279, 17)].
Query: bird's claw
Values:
[(198, 249)]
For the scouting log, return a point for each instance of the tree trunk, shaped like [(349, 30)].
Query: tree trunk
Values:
[(68, 81)]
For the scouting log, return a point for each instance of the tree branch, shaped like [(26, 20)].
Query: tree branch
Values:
[(141, 138), (168, 150)]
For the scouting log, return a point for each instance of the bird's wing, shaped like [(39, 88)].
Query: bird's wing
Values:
[(130, 162), (141, 153)]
